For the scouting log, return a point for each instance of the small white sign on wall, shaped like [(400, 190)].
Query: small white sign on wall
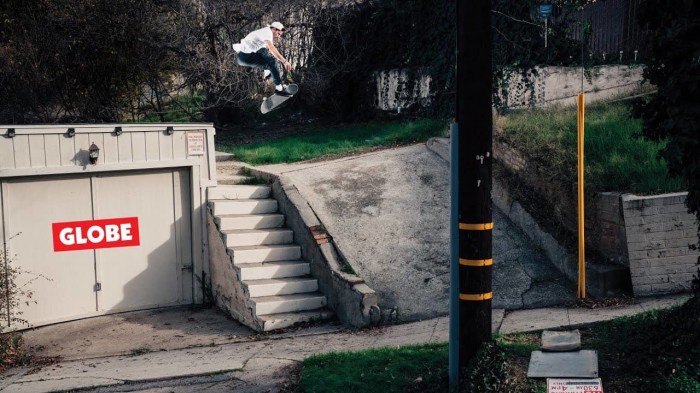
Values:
[(195, 143)]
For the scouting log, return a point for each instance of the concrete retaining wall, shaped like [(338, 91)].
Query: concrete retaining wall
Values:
[(602, 280), (559, 86), (649, 235), (552, 86)]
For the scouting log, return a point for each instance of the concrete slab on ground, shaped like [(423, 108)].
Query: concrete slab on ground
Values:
[(145, 331), (561, 341), (576, 364), (388, 212)]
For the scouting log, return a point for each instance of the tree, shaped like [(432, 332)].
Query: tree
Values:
[(80, 60), (673, 113)]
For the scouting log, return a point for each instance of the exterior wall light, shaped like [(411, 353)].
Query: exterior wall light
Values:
[(10, 133), (94, 152), (118, 131), (169, 130), (70, 133)]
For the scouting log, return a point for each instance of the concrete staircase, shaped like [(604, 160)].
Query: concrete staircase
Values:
[(276, 281)]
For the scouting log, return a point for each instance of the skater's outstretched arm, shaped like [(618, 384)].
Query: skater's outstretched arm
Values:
[(273, 49)]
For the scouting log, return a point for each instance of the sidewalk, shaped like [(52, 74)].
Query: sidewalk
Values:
[(260, 366)]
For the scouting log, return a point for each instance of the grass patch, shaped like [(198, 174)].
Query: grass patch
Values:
[(616, 159), (652, 351), (349, 139), (384, 370)]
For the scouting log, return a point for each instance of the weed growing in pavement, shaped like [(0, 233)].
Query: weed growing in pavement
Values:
[(140, 351)]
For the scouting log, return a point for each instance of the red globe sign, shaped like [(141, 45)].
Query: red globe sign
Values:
[(94, 234)]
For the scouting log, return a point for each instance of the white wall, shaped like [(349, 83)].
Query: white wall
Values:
[(553, 86), (559, 86)]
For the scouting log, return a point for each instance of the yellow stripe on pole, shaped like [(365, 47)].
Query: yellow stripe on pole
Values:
[(475, 262), (581, 216), (475, 297), (476, 227)]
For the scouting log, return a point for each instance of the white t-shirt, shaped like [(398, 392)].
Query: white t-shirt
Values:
[(256, 40)]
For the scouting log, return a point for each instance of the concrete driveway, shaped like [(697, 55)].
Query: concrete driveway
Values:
[(388, 212)]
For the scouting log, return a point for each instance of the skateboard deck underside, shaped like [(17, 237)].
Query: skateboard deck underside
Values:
[(272, 102)]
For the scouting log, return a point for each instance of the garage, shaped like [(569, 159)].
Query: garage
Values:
[(93, 239)]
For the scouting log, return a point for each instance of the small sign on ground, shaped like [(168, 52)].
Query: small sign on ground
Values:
[(578, 364), (555, 385)]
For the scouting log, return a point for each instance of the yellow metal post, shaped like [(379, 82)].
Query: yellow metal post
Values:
[(581, 216)]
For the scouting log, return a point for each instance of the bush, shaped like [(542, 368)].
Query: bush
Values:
[(673, 114)]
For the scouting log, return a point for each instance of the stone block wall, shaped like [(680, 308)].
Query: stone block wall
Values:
[(659, 230)]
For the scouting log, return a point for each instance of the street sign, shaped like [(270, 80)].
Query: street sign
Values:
[(555, 385), (545, 10)]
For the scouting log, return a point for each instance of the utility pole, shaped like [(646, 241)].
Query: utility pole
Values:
[(473, 172)]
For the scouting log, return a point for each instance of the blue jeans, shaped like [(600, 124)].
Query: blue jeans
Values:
[(261, 59)]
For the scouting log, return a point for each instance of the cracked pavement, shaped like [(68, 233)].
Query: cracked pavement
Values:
[(257, 366)]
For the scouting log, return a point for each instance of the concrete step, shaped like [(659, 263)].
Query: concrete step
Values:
[(238, 192), (272, 270), (267, 305), (232, 222), (283, 320), (230, 180), (271, 253), (281, 286), (258, 237), (242, 206)]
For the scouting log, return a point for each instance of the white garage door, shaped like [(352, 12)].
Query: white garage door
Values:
[(48, 220)]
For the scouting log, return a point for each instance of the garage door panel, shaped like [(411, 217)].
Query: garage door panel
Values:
[(145, 275), (183, 232), (62, 282)]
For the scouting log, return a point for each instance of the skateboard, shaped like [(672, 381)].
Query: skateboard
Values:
[(274, 101)]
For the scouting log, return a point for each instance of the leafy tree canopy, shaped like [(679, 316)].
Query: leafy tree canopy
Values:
[(673, 114)]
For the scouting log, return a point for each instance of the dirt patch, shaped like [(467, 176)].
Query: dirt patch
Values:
[(14, 353)]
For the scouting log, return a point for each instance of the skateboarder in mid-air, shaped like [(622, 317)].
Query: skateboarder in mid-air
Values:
[(258, 50)]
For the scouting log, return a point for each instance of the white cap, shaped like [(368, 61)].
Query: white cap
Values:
[(277, 25)]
